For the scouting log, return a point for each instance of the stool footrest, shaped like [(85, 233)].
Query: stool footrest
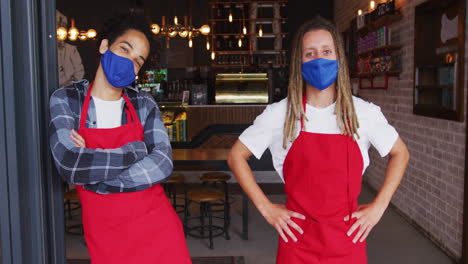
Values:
[(196, 231)]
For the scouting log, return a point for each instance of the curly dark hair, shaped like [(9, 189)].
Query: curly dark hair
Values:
[(118, 24)]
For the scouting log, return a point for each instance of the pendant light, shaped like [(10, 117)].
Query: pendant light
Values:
[(244, 28)]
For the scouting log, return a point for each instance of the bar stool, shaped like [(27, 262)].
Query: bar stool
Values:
[(207, 199), (72, 202), (170, 187), (211, 180)]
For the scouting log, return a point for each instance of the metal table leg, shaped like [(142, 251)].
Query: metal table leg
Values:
[(245, 216)]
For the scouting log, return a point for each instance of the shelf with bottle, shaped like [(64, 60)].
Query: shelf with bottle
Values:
[(381, 21), (250, 60), (376, 55), (265, 18), (231, 43), (175, 121), (371, 76), (374, 74), (377, 64), (384, 14), (379, 50)]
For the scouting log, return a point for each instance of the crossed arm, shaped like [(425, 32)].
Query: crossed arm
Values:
[(134, 166)]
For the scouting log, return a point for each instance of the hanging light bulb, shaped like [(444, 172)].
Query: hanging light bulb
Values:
[(82, 36), (190, 43), (359, 12), (260, 31), (230, 15), (244, 30), (73, 31), (62, 33), (155, 28), (73, 34), (213, 55), (176, 20), (91, 33), (205, 30), (239, 42), (183, 33), (372, 5), (168, 45), (172, 32), (207, 44)]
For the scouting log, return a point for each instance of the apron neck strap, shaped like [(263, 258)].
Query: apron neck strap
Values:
[(131, 113), (84, 110), (304, 102)]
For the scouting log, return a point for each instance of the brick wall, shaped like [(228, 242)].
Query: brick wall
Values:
[(431, 193)]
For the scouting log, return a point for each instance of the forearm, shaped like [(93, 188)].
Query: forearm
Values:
[(394, 172), (84, 165), (78, 165), (246, 179), (88, 166), (154, 168)]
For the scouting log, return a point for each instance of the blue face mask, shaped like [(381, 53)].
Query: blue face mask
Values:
[(119, 71), (320, 73)]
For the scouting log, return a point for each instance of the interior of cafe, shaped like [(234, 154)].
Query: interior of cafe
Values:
[(218, 64)]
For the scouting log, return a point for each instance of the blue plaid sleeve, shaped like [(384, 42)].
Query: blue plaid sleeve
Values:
[(84, 165), (153, 168)]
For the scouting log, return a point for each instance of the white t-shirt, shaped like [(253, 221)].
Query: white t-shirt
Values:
[(108, 113), (267, 130)]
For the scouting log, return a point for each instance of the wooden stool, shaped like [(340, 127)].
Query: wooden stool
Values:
[(170, 187), (210, 180), (215, 177), (71, 198), (206, 199)]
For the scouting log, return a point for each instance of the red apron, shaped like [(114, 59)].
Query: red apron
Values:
[(322, 175), (136, 227)]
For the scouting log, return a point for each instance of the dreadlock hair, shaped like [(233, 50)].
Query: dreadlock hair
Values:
[(344, 107)]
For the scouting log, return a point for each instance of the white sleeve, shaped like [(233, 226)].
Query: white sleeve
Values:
[(381, 134), (259, 136)]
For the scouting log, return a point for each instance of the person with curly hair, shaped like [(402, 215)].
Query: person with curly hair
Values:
[(108, 140)]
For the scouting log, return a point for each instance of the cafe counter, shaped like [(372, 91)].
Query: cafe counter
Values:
[(207, 126)]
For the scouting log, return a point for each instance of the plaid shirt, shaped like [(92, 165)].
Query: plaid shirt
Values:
[(132, 167)]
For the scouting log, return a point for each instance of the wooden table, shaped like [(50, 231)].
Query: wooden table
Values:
[(200, 154), (203, 158)]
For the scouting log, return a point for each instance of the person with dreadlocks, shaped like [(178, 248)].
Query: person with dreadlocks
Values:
[(319, 138)]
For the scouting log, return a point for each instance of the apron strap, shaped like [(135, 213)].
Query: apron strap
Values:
[(129, 115), (350, 205), (84, 110), (304, 102), (133, 115)]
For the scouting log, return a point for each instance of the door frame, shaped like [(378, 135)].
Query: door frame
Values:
[(31, 198)]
